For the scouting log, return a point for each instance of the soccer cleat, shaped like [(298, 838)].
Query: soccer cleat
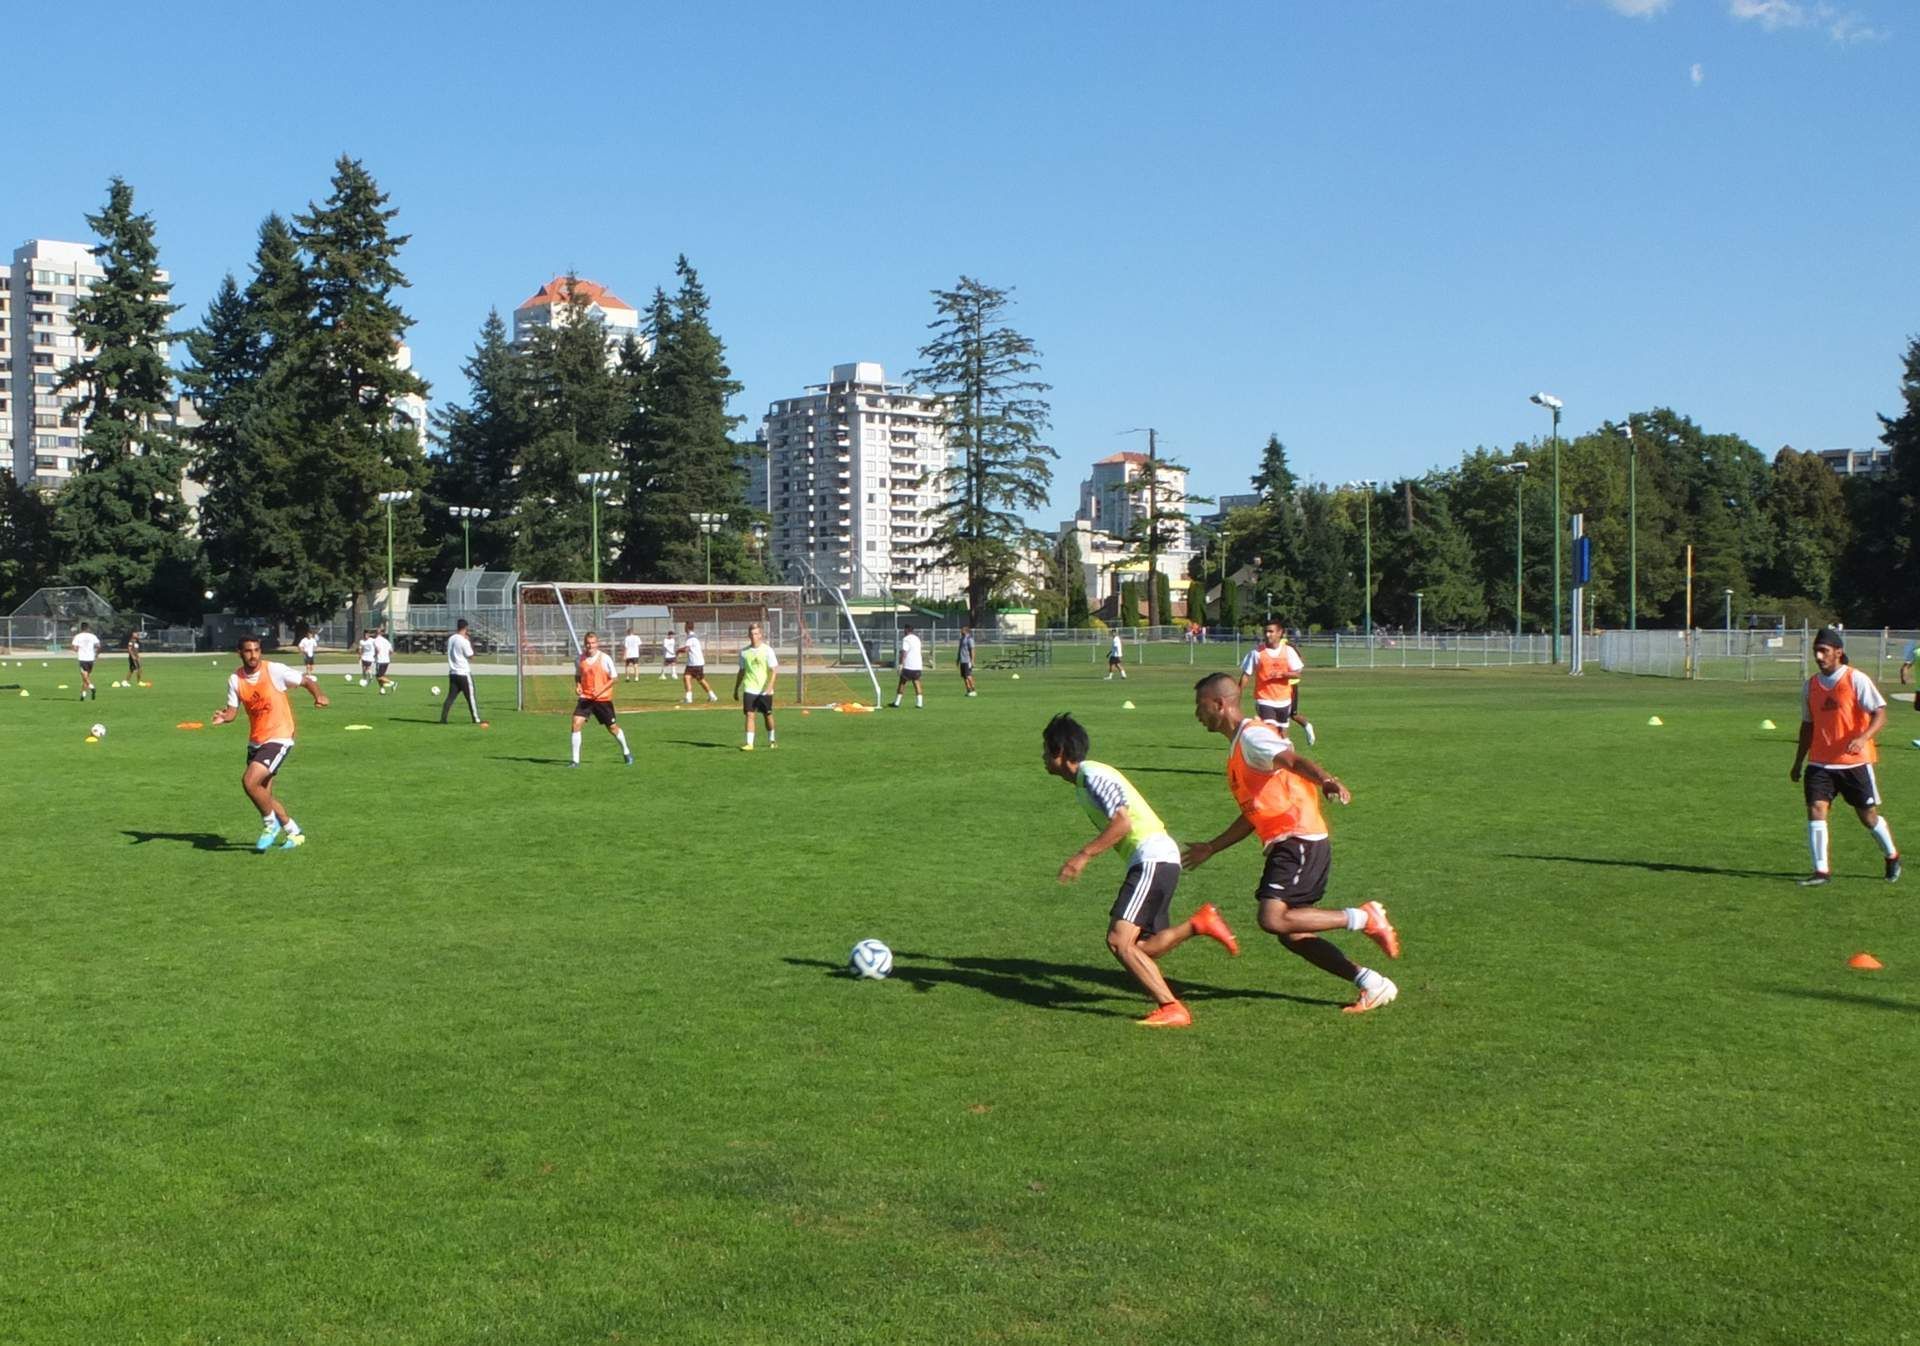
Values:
[(771, 745), (1380, 930), (1209, 922), (1814, 880), (746, 747), (1308, 726), (573, 766), (1893, 869), (267, 834), (1383, 994), (628, 757), (294, 841), (1173, 1014), (713, 696)]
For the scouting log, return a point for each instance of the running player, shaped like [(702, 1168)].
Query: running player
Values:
[(460, 672), (261, 687), (86, 648), (1137, 929), (910, 669), (753, 684), (630, 647), (366, 657), (309, 646), (694, 666), (133, 657), (1115, 663), (1275, 667), (1840, 713), (666, 654), (1279, 797), (593, 679), (966, 659), (382, 659)]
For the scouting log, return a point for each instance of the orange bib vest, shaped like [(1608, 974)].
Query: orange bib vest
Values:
[(1273, 676), (1280, 803), (269, 716), (1838, 719), (596, 683)]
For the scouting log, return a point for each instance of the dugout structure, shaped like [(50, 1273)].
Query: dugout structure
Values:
[(551, 622)]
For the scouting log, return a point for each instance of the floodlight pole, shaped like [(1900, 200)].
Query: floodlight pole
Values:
[(467, 514), (1633, 529), (1419, 627), (1553, 405), (595, 482), (1518, 471), (390, 499)]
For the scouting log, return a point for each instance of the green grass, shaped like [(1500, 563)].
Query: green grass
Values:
[(514, 1053)]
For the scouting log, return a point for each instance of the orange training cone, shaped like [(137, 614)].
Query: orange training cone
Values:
[(1866, 962)]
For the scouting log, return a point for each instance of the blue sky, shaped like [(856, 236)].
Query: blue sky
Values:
[(1371, 227)]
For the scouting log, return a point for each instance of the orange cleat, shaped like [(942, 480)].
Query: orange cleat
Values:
[(1173, 1014), (1209, 922), (1383, 994), (1380, 930)]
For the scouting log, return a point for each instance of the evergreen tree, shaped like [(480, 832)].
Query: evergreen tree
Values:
[(480, 443), (981, 370), (1075, 576), (1330, 561), (1809, 514), (121, 522), (28, 558), (1229, 616)]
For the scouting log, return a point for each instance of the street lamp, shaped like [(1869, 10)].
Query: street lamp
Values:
[(1729, 597), (1518, 471), (1418, 605), (596, 484), (1633, 528), (467, 514), (390, 499), (1366, 586), (708, 524), (1553, 406)]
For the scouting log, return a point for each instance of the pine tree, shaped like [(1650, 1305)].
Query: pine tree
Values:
[(1075, 576), (1275, 480), (981, 371), (121, 522), (28, 558), (480, 444)]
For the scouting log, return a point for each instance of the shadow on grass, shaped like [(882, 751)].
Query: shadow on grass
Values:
[(1075, 987), (536, 761), (1656, 866), (1173, 771), (692, 743), (200, 841), (415, 719), (1845, 998)]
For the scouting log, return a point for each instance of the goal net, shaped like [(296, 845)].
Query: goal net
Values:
[(820, 662)]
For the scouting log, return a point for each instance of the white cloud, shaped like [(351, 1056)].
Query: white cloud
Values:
[(1697, 73), (1850, 28), (1772, 14), (1638, 9), (1843, 26)]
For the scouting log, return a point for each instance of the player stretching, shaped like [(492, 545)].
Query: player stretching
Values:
[(1137, 929), (1275, 668), (460, 672), (966, 659), (666, 654), (309, 646), (86, 648), (630, 647), (910, 669), (133, 657), (753, 684), (261, 687), (694, 666), (1279, 797), (1839, 715), (593, 679)]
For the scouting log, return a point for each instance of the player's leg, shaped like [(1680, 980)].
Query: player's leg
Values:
[(579, 719), (1864, 795), (766, 713), (453, 690), (1123, 940), (900, 688), (605, 710), (472, 694), (711, 694), (1818, 786), (1294, 879), (746, 705)]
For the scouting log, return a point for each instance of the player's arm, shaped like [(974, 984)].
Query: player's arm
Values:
[(1875, 723), (1110, 836), (1197, 854), (232, 708), (1329, 784), (312, 684), (1801, 749), (739, 677), (773, 672)]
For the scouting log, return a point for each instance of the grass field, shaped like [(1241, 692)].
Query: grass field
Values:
[(519, 1054)]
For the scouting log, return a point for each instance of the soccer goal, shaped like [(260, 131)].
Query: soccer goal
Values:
[(552, 621)]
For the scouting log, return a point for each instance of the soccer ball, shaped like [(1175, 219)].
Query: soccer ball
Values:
[(98, 731), (363, 682), (870, 959), (347, 676)]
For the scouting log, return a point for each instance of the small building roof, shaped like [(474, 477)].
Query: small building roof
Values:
[(555, 292)]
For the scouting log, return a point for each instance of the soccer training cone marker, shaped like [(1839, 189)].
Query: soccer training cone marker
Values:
[(1016, 677), (92, 739), (1866, 962), (1128, 705), (1655, 719), (1768, 724)]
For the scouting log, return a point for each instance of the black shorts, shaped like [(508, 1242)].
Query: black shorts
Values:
[(86, 665), (698, 672), (380, 670), (1274, 714), (909, 675), (1855, 784), (133, 662), (1113, 661), (271, 755), (966, 668), (757, 703), (598, 710), (1145, 895), (1296, 871)]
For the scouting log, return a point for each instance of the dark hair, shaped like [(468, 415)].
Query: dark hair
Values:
[(246, 640), (460, 625), (907, 627), (1206, 684), (1065, 739)]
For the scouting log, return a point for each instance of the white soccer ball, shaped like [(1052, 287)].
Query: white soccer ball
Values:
[(870, 959), (98, 731), (436, 691), (347, 676), (363, 682)]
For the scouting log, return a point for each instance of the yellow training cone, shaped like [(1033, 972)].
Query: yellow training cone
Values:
[(1768, 724), (1127, 705), (1655, 719)]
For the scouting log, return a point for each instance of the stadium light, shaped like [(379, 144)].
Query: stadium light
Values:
[(1518, 471), (1553, 406), (1368, 485), (596, 484), (708, 524), (1418, 604), (467, 514), (390, 499), (1633, 526)]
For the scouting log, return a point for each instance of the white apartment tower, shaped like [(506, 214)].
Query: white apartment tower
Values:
[(37, 343), (1113, 501), (850, 482), (548, 306)]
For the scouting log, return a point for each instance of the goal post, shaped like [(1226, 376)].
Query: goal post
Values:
[(553, 618)]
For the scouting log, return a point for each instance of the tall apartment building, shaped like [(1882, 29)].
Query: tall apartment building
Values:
[(850, 483), (46, 278), (1111, 502), (548, 306)]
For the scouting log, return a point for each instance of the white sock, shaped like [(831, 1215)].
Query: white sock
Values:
[(918, 702), (291, 828), (1368, 979), (750, 737), (1817, 842), (689, 698), (621, 735), (1884, 835), (896, 700), (771, 736), (1356, 918), (576, 747), (269, 823)]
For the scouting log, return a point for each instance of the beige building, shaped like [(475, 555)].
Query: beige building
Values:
[(548, 306)]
